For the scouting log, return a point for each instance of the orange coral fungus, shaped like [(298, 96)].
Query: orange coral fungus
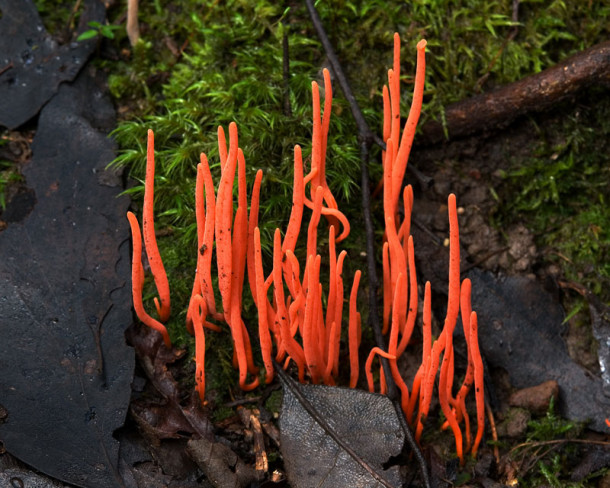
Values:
[(400, 298), (137, 281), (150, 240), (299, 320), (198, 312), (478, 381)]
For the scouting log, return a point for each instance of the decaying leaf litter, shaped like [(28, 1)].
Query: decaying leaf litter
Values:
[(440, 181)]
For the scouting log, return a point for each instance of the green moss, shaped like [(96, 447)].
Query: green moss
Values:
[(554, 460), (561, 192)]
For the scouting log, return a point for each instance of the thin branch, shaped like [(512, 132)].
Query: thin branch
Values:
[(534, 93)]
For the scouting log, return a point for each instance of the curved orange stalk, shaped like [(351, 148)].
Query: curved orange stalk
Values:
[(323, 343), (205, 252), (405, 227), (237, 280), (388, 209), (426, 351), (239, 240), (460, 400), (387, 118), (252, 225), (412, 315), (291, 346), (369, 363), (330, 361), (353, 332), (241, 341), (398, 262), (312, 230), (137, 281), (298, 196), (398, 303), (450, 321), (406, 141), (198, 312), (478, 382), (223, 219), (338, 309), (335, 214), (150, 240), (328, 196), (383, 385), (428, 384), (293, 271), (394, 85), (310, 346), (222, 148), (328, 103), (317, 174), (316, 142), (200, 219), (332, 285), (387, 296)]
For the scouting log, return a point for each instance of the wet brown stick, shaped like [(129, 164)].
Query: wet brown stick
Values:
[(531, 94)]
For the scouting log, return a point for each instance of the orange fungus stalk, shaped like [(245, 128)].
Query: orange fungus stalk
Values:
[(150, 240)]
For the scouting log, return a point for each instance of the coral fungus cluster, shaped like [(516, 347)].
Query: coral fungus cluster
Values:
[(298, 319)]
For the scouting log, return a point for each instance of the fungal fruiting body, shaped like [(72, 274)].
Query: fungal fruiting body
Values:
[(299, 320)]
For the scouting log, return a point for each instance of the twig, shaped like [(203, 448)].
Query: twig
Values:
[(531, 94), (6, 68), (494, 432), (533, 444)]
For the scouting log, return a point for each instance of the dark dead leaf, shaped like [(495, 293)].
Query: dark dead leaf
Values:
[(169, 418), (33, 64), (320, 425), (65, 369), (520, 330)]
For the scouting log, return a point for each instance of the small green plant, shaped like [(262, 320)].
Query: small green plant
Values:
[(551, 451), (8, 175), (98, 30), (549, 427)]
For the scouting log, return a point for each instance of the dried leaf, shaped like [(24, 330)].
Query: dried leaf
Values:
[(316, 420), (65, 369)]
